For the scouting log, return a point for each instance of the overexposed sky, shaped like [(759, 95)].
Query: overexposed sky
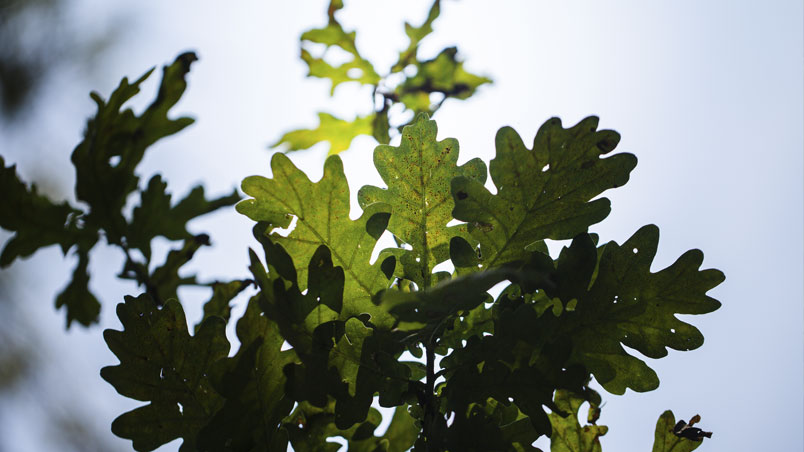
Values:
[(708, 96)]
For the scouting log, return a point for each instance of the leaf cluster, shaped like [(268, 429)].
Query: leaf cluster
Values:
[(335, 326), (105, 161), (416, 84), (331, 332)]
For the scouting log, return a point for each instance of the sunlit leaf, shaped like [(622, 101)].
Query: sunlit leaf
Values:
[(443, 74), (568, 434), (338, 132), (322, 218), (356, 70), (418, 174)]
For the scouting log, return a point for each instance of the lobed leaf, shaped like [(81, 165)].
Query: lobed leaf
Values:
[(35, 220), (418, 174), (623, 302), (155, 217), (568, 434), (253, 384), (443, 74), (115, 141), (415, 35), (541, 193), (162, 364), (356, 70), (322, 218), (338, 132)]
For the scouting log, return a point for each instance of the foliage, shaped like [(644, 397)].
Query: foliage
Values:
[(105, 162), (425, 83), (328, 332)]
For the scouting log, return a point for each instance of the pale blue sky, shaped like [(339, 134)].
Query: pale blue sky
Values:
[(707, 94)]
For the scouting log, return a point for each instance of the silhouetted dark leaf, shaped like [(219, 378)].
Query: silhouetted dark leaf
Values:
[(162, 364)]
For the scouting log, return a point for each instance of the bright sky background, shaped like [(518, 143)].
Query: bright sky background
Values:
[(708, 95)]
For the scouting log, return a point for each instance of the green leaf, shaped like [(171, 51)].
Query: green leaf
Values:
[(155, 216), (222, 295), (80, 303), (36, 221), (162, 284), (627, 303), (568, 434), (443, 74), (664, 439), (322, 218), (415, 35), (356, 70), (115, 142), (162, 364), (338, 132), (418, 174), (541, 193), (254, 387)]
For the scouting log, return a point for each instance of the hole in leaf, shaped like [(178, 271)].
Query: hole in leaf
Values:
[(355, 73), (181, 408), (114, 160), (545, 168), (635, 250)]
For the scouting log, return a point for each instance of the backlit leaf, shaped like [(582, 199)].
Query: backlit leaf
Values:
[(322, 218), (443, 74), (568, 434), (338, 132), (628, 304), (541, 193), (418, 174)]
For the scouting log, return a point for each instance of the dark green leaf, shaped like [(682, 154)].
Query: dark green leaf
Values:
[(222, 295), (254, 387), (155, 216), (162, 364), (115, 142), (541, 193), (627, 303), (80, 303), (36, 221)]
